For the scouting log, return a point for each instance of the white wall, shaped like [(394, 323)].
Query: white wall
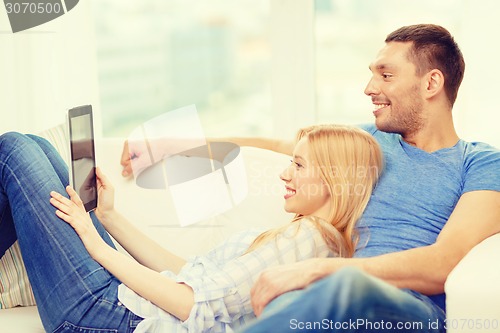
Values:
[(47, 70), (477, 112)]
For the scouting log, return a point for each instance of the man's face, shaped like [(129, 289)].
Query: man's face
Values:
[(395, 90)]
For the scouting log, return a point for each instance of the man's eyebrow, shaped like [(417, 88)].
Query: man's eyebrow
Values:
[(380, 67)]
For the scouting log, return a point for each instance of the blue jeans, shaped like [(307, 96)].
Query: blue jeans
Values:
[(73, 292), (350, 301)]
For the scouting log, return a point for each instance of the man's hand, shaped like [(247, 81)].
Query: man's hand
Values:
[(136, 156), (279, 280), (125, 160)]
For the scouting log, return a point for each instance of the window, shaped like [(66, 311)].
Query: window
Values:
[(349, 33), (156, 56), (348, 36), (268, 67)]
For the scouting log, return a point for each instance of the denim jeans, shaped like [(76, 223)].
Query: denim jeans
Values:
[(350, 301), (73, 292)]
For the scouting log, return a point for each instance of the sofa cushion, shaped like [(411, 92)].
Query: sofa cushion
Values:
[(15, 288)]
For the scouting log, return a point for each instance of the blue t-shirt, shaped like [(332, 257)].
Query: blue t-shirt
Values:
[(418, 191)]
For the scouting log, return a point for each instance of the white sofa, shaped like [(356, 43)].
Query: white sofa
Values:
[(473, 291)]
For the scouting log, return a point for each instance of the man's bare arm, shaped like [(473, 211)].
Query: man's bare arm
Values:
[(161, 147), (277, 145), (475, 218)]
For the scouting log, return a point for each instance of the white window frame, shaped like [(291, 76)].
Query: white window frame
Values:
[(293, 82)]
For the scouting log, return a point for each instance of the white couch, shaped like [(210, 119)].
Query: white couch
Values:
[(473, 291)]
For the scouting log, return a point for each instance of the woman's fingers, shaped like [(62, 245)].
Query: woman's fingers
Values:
[(75, 198), (59, 201), (100, 175), (101, 178), (73, 213), (65, 205)]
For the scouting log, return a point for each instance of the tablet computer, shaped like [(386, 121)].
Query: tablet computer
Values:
[(82, 151)]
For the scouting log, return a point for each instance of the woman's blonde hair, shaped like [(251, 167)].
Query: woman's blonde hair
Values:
[(349, 162)]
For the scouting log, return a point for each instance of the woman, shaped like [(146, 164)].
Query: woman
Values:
[(81, 283)]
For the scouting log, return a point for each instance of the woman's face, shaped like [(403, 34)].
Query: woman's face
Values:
[(306, 193)]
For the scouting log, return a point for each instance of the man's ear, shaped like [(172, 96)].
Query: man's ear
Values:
[(434, 81)]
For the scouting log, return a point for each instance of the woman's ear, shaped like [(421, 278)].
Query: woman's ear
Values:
[(434, 81)]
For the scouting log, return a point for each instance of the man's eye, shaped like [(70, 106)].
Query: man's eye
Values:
[(386, 76)]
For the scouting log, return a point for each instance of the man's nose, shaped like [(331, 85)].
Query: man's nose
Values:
[(372, 88)]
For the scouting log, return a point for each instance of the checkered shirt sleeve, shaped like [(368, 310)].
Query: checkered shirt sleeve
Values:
[(222, 279)]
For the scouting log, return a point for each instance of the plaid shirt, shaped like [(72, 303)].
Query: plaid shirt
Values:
[(222, 279)]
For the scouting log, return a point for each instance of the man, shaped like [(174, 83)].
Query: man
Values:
[(439, 196)]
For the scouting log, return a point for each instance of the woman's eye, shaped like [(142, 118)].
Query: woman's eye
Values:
[(297, 164)]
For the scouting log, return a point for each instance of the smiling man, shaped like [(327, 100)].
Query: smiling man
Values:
[(439, 196)]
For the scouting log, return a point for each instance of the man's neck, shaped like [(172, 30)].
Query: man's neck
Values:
[(434, 137), (437, 133)]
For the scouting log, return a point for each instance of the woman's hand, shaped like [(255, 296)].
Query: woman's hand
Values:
[(105, 197), (73, 212)]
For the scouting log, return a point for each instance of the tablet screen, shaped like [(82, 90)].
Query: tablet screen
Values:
[(83, 178)]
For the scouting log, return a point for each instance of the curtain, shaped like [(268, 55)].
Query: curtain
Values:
[(46, 70)]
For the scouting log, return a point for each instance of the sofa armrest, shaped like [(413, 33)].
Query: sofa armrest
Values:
[(473, 290)]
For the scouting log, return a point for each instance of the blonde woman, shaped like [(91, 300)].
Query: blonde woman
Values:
[(348, 163), (81, 281)]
